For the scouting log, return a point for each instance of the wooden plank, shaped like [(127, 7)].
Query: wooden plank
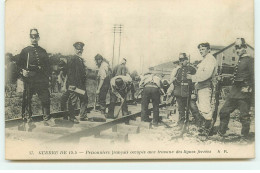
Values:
[(146, 125), (122, 128)]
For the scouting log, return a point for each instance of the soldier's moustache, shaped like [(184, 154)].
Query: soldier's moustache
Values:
[(34, 36), (239, 47)]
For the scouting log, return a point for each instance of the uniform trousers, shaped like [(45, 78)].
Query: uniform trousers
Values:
[(229, 106), (72, 98), (41, 89), (182, 108)]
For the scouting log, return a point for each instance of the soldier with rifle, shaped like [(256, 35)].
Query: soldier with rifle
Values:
[(35, 68), (183, 90), (242, 91)]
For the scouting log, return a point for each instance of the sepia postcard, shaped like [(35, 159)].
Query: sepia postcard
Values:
[(129, 79)]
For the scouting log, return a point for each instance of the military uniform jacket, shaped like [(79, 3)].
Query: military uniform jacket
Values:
[(76, 72), (182, 86), (38, 64), (243, 78)]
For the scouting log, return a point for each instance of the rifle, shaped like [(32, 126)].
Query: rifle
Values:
[(26, 97), (217, 90), (186, 121)]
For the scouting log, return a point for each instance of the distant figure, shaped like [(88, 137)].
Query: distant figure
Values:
[(53, 81), (62, 77), (120, 69)]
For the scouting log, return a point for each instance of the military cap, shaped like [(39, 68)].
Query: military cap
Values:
[(79, 45), (240, 42), (34, 33), (207, 45), (98, 56), (182, 57)]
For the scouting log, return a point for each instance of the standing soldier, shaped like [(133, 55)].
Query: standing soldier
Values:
[(183, 90), (120, 86), (35, 68), (104, 74), (203, 85), (76, 89), (152, 90), (241, 92)]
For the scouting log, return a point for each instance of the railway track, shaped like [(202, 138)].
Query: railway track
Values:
[(64, 131)]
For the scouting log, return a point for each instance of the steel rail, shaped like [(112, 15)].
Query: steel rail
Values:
[(75, 137), (36, 118)]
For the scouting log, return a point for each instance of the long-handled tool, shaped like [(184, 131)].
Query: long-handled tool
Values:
[(95, 102), (121, 106)]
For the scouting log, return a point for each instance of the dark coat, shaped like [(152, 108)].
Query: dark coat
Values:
[(182, 86), (38, 64), (76, 71), (243, 77)]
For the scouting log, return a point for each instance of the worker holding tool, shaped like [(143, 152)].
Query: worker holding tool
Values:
[(103, 78), (76, 88), (120, 86)]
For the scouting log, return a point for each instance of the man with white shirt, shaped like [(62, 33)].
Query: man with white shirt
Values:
[(104, 73), (152, 90), (203, 84)]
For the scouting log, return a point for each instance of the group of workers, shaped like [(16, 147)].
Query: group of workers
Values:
[(191, 86)]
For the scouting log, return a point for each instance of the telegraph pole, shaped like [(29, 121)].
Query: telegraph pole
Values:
[(114, 46), (120, 31), (117, 29)]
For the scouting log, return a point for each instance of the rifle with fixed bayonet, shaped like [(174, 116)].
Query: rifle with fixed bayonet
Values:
[(187, 112), (217, 91), (26, 95)]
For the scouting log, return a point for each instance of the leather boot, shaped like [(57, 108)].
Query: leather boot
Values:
[(245, 128), (222, 128), (206, 129)]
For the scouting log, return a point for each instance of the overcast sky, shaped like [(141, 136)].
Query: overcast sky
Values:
[(156, 30)]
